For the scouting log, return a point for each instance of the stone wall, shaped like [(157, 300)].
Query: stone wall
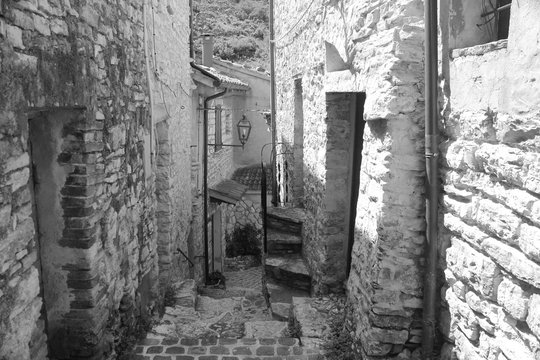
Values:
[(75, 71), (375, 48), (171, 94), (491, 218), (245, 212)]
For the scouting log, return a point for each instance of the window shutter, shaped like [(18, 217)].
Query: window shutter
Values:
[(218, 131)]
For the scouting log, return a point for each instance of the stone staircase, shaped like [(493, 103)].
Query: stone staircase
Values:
[(232, 324), (284, 262)]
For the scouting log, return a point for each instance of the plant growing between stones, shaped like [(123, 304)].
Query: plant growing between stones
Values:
[(337, 344), (244, 241), (216, 279), (294, 328)]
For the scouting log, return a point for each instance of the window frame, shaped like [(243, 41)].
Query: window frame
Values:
[(218, 131)]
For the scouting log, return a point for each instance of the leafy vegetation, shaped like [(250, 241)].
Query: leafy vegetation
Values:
[(240, 29), (338, 341), (244, 240), (216, 279)]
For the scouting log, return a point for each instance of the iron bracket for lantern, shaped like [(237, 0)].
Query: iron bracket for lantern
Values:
[(244, 130)]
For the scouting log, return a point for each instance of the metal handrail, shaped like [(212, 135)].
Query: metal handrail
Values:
[(497, 10), (191, 264)]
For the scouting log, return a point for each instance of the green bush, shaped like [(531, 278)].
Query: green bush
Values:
[(244, 241)]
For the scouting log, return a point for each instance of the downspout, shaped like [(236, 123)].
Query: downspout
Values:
[(273, 102), (191, 49), (205, 179), (217, 83), (432, 171)]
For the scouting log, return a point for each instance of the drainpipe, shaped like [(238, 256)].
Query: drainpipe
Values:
[(217, 83), (432, 171), (191, 49), (205, 179), (273, 102)]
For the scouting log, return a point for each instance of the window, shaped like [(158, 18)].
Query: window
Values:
[(476, 22), (218, 138), (496, 14)]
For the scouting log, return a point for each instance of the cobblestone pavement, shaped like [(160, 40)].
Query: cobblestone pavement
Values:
[(249, 278), (216, 324), (156, 348)]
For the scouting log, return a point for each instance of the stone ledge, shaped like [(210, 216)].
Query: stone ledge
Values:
[(479, 50)]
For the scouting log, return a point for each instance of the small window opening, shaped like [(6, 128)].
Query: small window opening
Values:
[(499, 15), (218, 130)]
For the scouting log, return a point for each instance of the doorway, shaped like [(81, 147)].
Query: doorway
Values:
[(345, 131)]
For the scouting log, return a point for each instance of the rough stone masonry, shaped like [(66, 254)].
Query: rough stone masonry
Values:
[(343, 52), (489, 215), (78, 246), (490, 245)]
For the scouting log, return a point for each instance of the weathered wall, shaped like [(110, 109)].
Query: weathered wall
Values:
[(171, 94), (220, 162), (87, 57), (245, 212), (374, 47), (490, 252), (257, 100)]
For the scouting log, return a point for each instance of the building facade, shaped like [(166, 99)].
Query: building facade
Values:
[(350, 113), (490, 220), (93, 116), (350, 121)]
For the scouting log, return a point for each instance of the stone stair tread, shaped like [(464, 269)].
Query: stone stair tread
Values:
[(266, 329), (185, 293), (313, 322), (283, 237), (293, 263), (281, 310), (295, 215)]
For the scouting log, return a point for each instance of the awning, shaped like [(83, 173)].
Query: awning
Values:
[(228, 191)]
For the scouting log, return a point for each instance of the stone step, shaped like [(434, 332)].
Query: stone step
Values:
[(279, 348), (281, 311), (312, 319), (280, 242), (289, 269), (288, 220), (266, 329), (185, 293)]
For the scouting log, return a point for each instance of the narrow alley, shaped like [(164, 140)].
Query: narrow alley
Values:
[(269, 180)]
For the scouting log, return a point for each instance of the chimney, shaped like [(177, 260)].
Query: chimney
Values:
[(207, 49)]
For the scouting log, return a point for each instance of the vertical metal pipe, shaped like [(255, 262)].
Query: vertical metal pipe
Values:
[(191, 48), (432, 171), (273, 101), (205, 180)]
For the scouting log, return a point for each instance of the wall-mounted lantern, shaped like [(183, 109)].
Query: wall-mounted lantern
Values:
[(244, 129)]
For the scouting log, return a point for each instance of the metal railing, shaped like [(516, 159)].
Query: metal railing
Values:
[(179, 251)]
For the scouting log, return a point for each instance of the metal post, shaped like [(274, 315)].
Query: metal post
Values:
[(432, 171), (273, 100)]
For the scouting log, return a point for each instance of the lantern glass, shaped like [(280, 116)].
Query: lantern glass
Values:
[(244, 129)]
